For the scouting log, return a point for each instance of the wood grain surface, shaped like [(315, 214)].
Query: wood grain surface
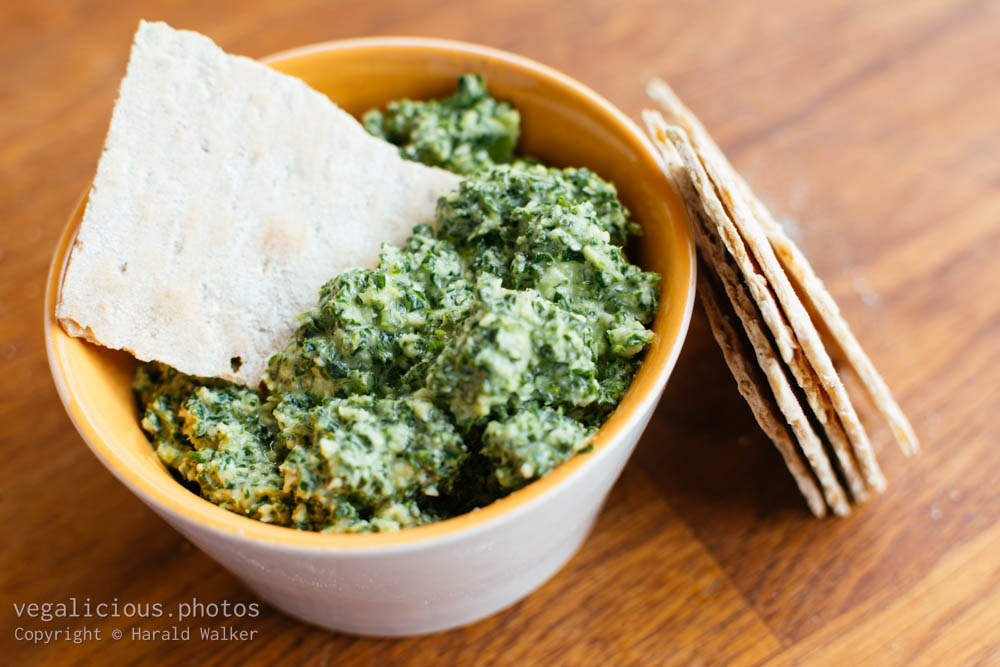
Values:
[(871, 126)]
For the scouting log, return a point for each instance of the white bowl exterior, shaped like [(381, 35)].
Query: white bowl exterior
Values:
[(428, 584), (434, 584)]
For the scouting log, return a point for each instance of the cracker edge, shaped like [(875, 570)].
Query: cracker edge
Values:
[(800, 269), (757, 396), (817, 400), (767, 358), (722, 173)]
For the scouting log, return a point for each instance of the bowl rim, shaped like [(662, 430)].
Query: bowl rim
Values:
[(640, 398)]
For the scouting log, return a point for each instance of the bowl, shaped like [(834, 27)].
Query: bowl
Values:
[(456, 571)]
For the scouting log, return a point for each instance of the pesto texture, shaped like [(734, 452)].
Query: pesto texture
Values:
[(469, 362), (530, 443), (358, 464), (213, 435), (517, 347), (462, 133)]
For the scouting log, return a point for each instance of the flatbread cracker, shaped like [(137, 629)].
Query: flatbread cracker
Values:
[(226, 195), (770, 363), (755, 392), (796, 362), (801, 271), (713, 252), (822, 303), (742, 219)]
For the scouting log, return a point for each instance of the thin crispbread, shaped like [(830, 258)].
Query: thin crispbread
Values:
[(770, 363), (800, 270), (755, 392), (712, 250), (751, 230), (722, 229), (226, 195)]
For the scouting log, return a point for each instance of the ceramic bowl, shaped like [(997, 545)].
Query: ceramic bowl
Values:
[(456, 571)]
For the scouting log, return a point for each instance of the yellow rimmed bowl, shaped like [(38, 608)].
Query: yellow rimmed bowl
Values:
[(456, 571)]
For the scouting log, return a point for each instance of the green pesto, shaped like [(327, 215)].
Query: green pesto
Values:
[(530, 443), (372, 327), (463, 133), (358, 457), (516, 347), (472, 360), (213, 435)]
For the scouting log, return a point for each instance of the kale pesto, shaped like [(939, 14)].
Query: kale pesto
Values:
[(461, 133), (469, 362)]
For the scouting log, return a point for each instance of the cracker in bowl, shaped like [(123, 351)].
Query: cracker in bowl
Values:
[(226, 195)]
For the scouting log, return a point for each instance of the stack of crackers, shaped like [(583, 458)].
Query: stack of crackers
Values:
[(766, 308)]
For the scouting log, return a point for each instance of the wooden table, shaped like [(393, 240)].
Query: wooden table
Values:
[(872, 125)]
